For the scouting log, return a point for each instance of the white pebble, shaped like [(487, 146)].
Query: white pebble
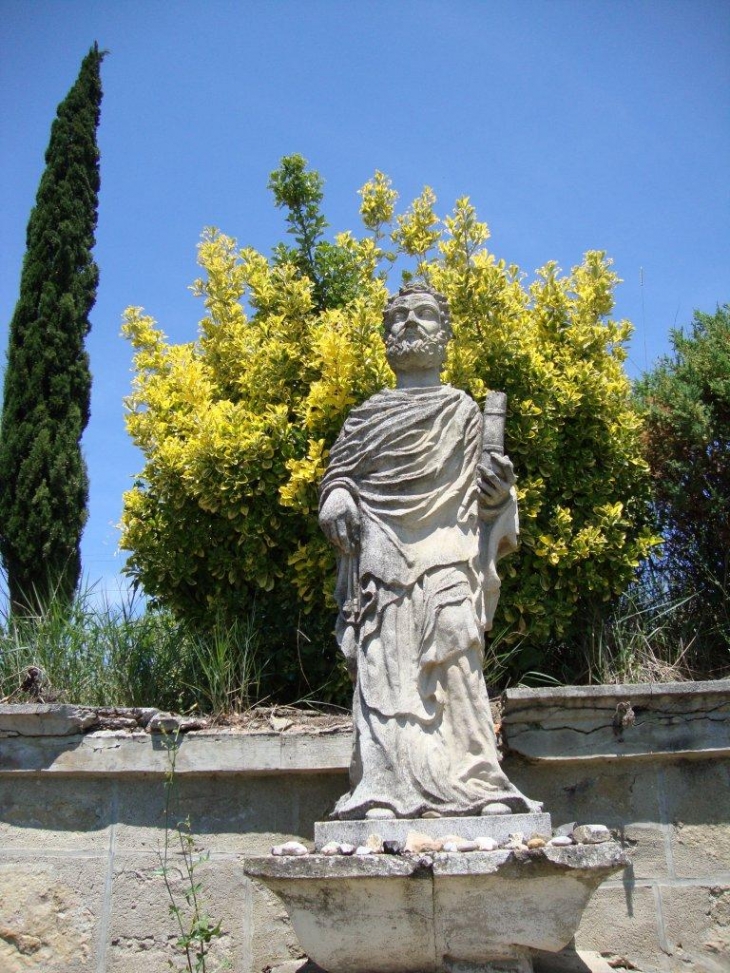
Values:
[(363, 850), (331, 848), (290, 848), (486, 844), (561, 841)]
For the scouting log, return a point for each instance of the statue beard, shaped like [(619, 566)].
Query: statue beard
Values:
[(418, 353)]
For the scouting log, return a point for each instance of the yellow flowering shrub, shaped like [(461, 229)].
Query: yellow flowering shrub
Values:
[(235, 426)]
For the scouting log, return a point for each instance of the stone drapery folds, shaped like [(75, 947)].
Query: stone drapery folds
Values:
[(416, 593)]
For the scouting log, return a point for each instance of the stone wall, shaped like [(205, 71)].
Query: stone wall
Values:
[(82, 812)]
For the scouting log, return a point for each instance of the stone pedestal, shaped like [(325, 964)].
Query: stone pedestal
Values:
[(471, 912)]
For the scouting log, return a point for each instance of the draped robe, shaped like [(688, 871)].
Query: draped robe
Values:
[(414, 602)]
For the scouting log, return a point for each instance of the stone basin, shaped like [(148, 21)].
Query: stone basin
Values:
[(472, 912)]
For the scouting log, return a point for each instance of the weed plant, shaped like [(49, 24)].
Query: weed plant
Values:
[(180, 859)]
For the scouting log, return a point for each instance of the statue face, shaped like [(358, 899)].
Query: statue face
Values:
[(414, 337), (415, 314)]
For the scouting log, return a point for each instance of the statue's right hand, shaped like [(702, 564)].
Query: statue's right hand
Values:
[(339, 518)]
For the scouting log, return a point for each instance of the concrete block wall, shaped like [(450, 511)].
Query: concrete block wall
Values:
[(660, 779), (82, 815)]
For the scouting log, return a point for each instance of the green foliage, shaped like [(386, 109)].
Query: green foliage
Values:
[(236, 426), (43, 482), (97, 654), (330, 268), (686, 401)]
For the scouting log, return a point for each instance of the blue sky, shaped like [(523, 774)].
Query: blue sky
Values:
[(571, 124)]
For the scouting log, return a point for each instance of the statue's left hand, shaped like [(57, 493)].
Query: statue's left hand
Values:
[(494, 482)]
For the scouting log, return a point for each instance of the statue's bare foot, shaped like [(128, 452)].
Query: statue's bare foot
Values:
[(379, 813), (497, 807), (431, 814)]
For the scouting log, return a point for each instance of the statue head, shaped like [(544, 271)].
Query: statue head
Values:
[(417, 326)]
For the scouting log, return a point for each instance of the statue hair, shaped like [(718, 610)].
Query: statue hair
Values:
[(420, 288)]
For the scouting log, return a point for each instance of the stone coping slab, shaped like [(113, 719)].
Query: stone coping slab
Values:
[(596, 722), (497, 826), (115, 753), (583, 723)]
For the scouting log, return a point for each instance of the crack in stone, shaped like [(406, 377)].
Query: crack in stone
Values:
[(654, 718)]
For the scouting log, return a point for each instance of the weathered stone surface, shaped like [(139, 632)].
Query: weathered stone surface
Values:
[(697, 928), (45, 719), (63, 719), (50, 915), (648, 845), (273, 939), (621, 921), (611, 792), (697, 798), (498, 826), (113, 752), (172, 723), (589, 722), (143, 933), (230, 815), (64, 817), (471, 908)]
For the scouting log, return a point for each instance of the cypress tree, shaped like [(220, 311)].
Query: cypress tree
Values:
[(43, 479)]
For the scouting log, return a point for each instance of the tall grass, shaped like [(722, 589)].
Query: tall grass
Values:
[(128, 654), (652, 636)]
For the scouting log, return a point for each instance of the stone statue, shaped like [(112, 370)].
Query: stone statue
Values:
[(420, 510)]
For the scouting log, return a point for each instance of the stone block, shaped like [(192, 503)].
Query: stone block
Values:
[(50, 913), (55, 814), (697, 925), (609, 793), (647, 846), (701, 851), (697, 799), (229, 814), (621, 921), (435, 912), (60, 742), (45, 719), (143, 931), (273, 940)]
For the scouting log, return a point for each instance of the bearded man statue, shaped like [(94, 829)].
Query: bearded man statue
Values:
[(419, 517)]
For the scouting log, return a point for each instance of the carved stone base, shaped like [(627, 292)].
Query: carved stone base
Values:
[(497, 826), (475, 912)]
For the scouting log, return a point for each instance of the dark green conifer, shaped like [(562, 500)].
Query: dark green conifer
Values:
[(43, 480)]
